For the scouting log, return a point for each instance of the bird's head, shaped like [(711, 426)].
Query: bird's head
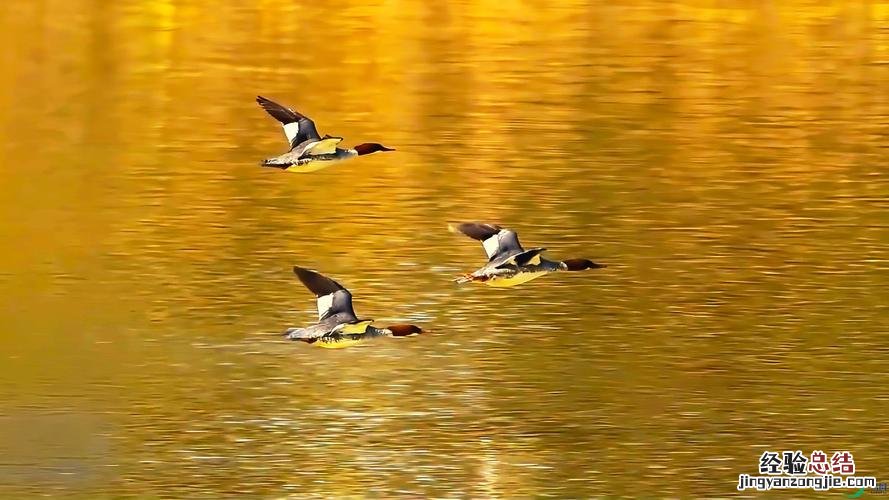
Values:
[(580, 265), (371, 147), (404, 330)]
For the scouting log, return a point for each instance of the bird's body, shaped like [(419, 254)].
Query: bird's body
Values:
[(337, 325), (508, 263), (500, 279), (309, 151), (299, 162), (354, 335)]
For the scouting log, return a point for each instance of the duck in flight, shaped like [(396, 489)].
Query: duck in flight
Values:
[(337, 325), (308, 150), (508, 263)]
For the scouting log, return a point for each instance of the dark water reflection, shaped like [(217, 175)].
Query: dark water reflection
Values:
[(729, 164)]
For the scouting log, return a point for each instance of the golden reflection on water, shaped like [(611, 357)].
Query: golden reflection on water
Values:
[(727, 161)]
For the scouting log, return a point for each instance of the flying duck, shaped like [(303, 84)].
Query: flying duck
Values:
[(337, 325), (508, 263), (308, 150)]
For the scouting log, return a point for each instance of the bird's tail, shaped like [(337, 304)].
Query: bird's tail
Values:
[(470, 278), (294, 333), (276, 163)]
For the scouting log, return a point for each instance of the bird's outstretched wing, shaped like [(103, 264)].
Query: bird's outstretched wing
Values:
[(499, 243), (297, 127), (333, 298)]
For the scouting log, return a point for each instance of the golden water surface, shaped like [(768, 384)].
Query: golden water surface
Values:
[(727, 160)]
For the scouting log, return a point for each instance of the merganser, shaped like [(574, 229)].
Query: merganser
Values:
[(508, 263), (306, 146), (338, 326)]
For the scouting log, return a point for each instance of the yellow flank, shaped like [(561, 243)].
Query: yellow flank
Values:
[(332, 343), (518, 279), (325, 146), (347, 336), (312, 166)]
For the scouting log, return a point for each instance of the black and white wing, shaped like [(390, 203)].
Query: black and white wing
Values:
[(333, 298), (500, 244), (298, 128)]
